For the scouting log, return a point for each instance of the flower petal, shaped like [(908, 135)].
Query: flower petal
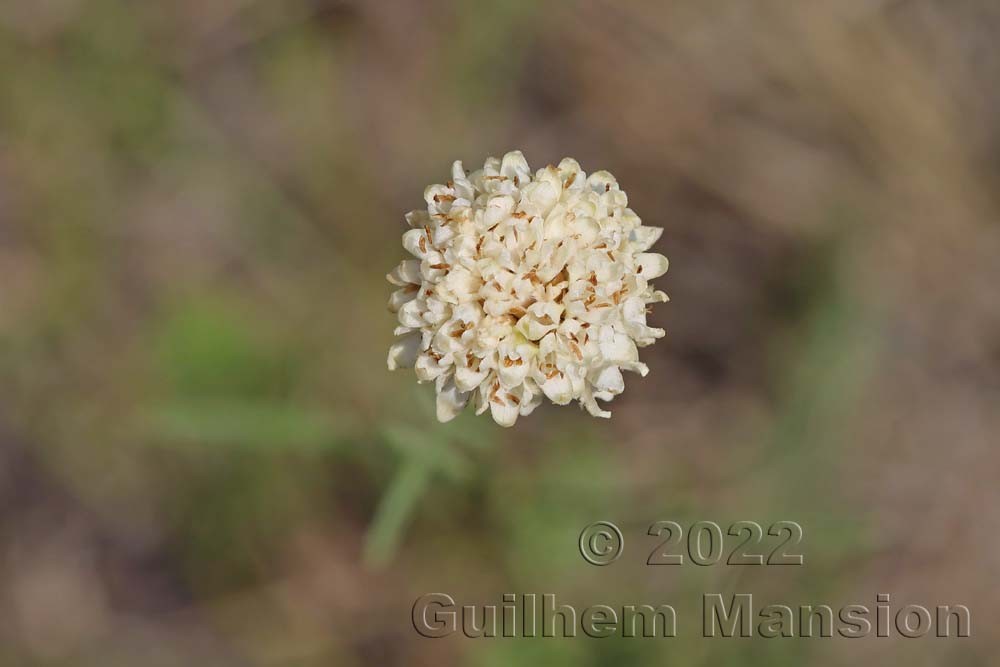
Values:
[(401, 297), (571, 174), (602, 181), (418, 219), (429, 368), (588, 401), (467, 379), (450, 401), (411, 313), (403, 353), (407, 273), (558, 389), (643, 238), (617, 347), (610, 380), (515, 166), (415, 242), (634, 316), (540, 319), (504, 411), (651, 265)]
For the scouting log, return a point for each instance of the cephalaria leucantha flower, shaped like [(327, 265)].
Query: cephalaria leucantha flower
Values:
[(524, 287)]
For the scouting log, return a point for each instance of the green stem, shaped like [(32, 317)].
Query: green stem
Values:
[(394, 511)]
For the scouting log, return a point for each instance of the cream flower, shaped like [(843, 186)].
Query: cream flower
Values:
[(524, 287)]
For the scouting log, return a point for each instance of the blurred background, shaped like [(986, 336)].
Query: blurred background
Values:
[(203, 460)]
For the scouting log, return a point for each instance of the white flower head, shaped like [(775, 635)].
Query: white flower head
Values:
[(524, 287)]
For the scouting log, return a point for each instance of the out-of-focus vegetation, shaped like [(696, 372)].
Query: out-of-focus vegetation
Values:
[(203, 460)]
